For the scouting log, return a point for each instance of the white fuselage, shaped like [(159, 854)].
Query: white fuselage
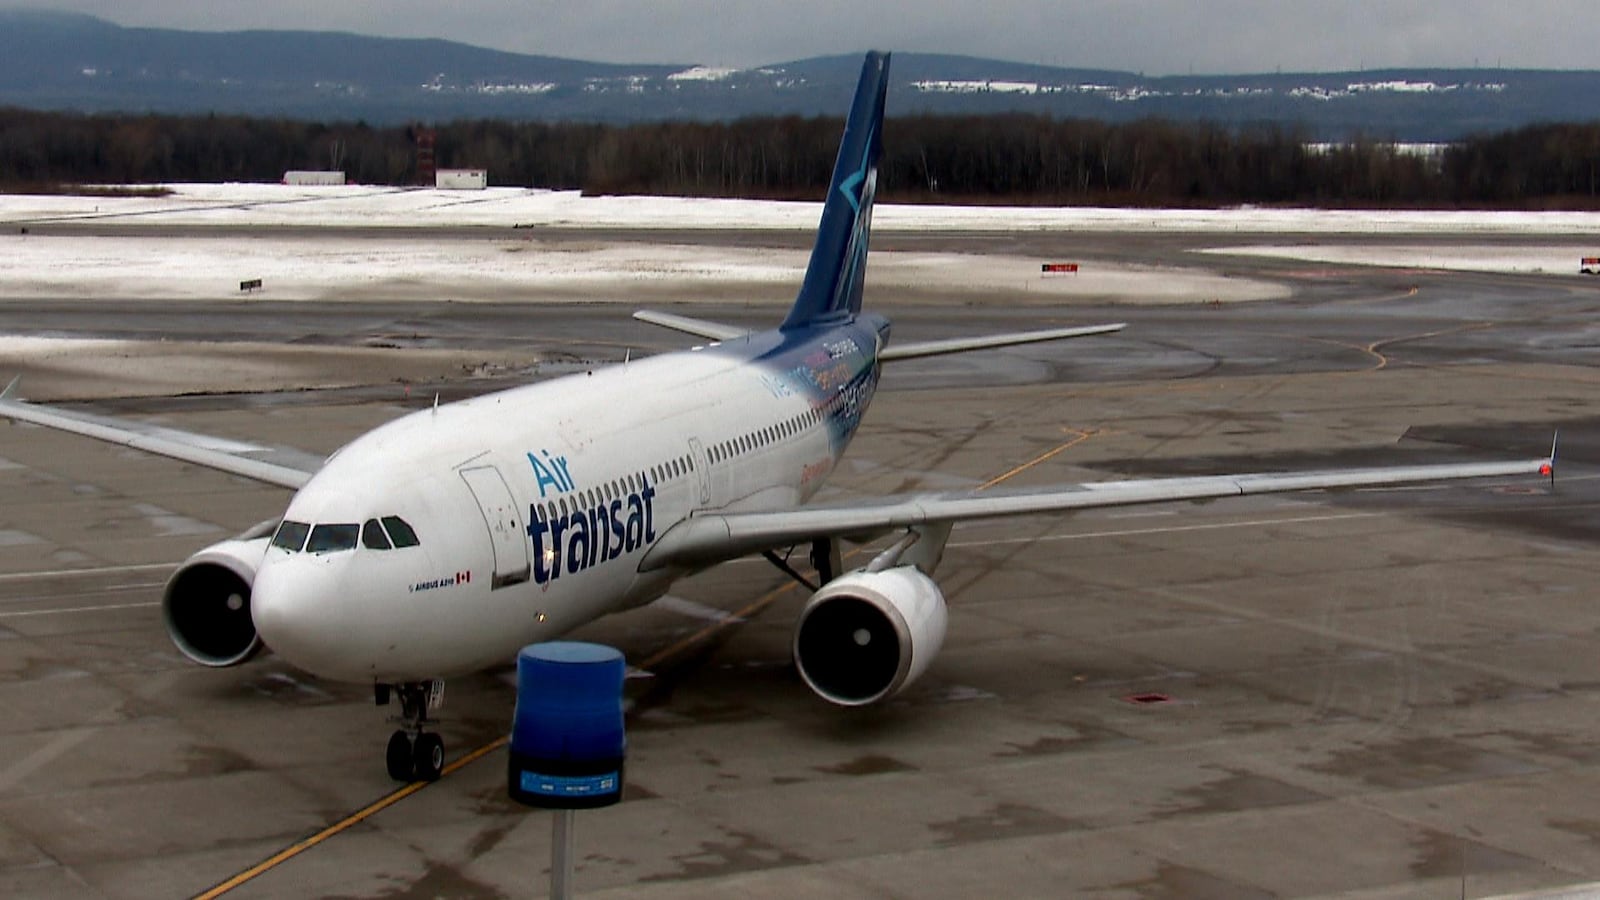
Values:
[(533, 507)]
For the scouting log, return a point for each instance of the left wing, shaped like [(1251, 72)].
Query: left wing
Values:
[(270, 465), (714, 537)]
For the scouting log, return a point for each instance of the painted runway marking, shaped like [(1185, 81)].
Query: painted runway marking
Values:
[(1132, 532), (57, 746), (78, 609), (103, 570), (686, 607), (355, 818), (1245, 523)]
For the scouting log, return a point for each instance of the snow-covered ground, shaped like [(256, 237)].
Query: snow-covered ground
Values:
[(357, 205), (312, 267), (307, 265)]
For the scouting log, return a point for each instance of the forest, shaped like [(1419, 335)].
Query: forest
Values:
[(1005, 159)]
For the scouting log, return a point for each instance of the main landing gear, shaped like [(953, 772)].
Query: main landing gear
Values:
[(414, 754), (825, 560)]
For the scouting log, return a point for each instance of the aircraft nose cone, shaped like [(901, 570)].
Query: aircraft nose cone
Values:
[(292, 607)]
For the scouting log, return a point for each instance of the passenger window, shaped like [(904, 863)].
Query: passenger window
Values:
[(332, 538), (291, 536), (372, 536), (400, 531)]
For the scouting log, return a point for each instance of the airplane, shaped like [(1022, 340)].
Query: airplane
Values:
[(442, 542)]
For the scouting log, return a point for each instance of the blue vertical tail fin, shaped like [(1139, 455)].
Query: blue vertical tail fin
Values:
[(832, 287)]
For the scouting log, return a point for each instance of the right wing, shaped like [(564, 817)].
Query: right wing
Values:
[(1009, 339), (714, 537), (270, 465)]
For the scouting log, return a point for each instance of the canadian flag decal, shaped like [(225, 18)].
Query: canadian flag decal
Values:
[(464, 577)]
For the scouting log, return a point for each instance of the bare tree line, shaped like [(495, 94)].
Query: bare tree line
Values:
[(993, 159)]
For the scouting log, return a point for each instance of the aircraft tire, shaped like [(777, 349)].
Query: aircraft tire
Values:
[(398, 757), (429, 758)]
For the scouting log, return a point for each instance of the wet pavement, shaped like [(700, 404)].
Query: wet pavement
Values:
[(1374, 694)]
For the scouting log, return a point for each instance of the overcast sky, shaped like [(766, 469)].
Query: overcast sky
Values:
[(1152, 36)]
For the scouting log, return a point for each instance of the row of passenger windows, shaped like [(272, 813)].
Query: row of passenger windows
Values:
[(772, 434), (391, 532), (616, 489), (683, 465)]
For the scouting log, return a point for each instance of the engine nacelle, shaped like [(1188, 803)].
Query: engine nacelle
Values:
[(866, 636), (207, 602)]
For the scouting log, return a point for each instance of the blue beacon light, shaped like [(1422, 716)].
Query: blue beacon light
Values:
[(567, 739)]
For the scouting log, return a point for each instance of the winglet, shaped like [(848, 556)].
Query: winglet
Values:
[(1549, 467), (10, 393)]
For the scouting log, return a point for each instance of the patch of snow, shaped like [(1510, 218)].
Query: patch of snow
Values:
[(703, 73), (986, 86), (1554, 259), (531, 87)]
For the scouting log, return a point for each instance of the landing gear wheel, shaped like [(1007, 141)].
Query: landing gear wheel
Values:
[(429, 757), (398, 756), (413, 753)]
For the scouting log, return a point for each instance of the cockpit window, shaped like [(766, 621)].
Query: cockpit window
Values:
[(400, 532), (372, 536), (331, 538), (291, 536)]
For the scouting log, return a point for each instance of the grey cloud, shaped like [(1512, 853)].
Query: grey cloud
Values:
[(1154, 36)]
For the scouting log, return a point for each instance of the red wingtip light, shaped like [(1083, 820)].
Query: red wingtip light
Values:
[(1546, 469)]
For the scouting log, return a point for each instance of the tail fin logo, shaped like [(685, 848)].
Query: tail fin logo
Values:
[(867, 177), (860, 201)]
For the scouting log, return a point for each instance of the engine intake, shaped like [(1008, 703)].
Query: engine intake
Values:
[(866, 636), (207, 603)]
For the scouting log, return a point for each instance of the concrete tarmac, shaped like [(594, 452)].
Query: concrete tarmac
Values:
[(1367, 694)]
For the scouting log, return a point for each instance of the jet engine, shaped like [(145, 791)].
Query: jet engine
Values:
[(207, 601), (867, 635)]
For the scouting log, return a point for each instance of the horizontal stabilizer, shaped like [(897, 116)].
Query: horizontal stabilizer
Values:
[(962, 345), (715, 331)]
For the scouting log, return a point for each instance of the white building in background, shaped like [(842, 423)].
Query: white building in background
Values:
[(462, 179), (313, 177)]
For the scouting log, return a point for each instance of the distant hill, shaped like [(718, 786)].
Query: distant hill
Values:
[(75, 62)]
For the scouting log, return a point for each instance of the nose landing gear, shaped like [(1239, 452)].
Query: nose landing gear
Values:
[(414, 753)]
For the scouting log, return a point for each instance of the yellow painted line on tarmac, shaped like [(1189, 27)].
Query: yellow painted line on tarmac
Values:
[(754, 608), (1047, 455), (355, 818)]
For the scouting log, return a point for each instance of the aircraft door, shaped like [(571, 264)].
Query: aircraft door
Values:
[(506, 532), (702, 469)]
